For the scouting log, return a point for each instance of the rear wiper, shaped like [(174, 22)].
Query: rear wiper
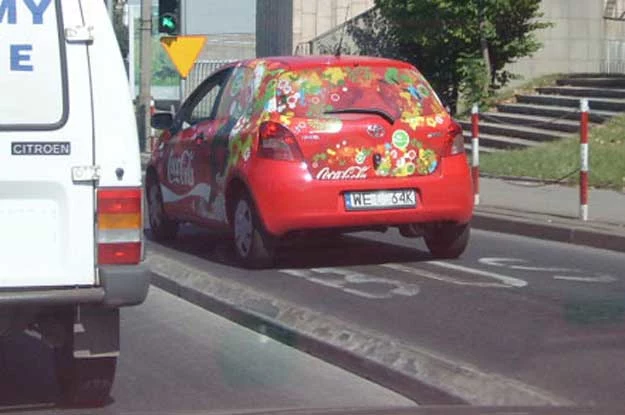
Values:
[(376, 111)]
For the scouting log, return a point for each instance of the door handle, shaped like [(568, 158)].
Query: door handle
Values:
[(199, 139)]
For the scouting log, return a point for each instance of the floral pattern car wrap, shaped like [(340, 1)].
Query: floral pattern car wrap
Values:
[(357, 122)]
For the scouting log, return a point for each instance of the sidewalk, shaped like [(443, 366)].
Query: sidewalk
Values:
[(551, 212)]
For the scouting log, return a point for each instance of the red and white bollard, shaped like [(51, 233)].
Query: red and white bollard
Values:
[(583, 172), (475, 152)]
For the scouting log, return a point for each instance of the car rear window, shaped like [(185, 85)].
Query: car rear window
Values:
[(32, 66), (315, 92)]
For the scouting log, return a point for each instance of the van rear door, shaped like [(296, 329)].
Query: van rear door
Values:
[(46, 130)]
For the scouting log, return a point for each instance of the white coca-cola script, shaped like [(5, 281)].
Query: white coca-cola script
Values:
[(180, 169), (351, 173)]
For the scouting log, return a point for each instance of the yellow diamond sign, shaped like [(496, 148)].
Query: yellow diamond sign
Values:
[(183, 51)]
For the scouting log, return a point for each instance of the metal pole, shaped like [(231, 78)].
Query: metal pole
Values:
[(131, 50), (146, 72), (109, 6), (475, 149), (583, 172), (183, 31)]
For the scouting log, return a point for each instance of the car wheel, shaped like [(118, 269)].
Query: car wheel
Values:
[(83, 382), (253, 245), (163, 229), (448, 241)]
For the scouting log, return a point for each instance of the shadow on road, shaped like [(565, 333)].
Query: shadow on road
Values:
[(307, 252), (27, 378)]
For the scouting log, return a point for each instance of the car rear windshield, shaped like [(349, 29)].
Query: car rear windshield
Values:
[(32, 66), (396, 92)]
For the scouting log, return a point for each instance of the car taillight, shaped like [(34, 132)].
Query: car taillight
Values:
[(119, 226), (457, 139), (277, 142)]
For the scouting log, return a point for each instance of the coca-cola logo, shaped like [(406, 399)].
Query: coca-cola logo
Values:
[(351, 173), (180, 169)]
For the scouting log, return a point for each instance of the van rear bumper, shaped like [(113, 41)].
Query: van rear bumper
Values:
[(120, 286)]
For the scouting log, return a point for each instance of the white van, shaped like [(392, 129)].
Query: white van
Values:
[(71, 244)]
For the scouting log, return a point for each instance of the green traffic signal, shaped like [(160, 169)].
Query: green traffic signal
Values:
[(169, 22), (169, 16)]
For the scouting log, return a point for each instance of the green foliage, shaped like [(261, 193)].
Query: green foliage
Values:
[(163, 71), (474, 79), (442, 38)]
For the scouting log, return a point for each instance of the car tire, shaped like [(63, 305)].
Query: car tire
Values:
[(82, 382), (253, 246), (163, 229), (448, 241)]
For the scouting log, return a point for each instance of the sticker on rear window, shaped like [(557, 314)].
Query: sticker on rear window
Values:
[(56, 148)]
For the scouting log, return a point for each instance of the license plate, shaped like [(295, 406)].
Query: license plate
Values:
[(380, 199)]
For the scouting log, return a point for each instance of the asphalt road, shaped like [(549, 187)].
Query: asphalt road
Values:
[(177, 358), (548, 314)]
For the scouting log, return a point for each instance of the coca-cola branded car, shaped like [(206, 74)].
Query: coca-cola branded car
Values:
[(274, 147)]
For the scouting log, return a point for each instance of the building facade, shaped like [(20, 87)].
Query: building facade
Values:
[(587, 35)]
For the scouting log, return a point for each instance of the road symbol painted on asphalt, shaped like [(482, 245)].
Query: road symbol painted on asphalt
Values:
[(507, 280), (507, 263), (443, 278), (328, 277), (514, 263)]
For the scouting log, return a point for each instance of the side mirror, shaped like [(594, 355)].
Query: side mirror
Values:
[(162, 121)]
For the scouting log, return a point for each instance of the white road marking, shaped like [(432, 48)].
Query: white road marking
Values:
[(506, 263), (438, 277), (509, 263), (511, 281), (323, 276), (605, 279)]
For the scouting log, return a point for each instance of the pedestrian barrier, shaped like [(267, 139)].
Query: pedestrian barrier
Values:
[(583, 170)]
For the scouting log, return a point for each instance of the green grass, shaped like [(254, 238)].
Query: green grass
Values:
[(556, 159)]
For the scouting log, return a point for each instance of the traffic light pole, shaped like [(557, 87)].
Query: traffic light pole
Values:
[(146, 74), (183, 31)]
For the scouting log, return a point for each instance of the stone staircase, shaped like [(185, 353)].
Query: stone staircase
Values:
[(549, 113)]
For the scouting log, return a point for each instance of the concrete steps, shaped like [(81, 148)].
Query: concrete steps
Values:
[(515, 131), (604, 104), (565, 113), (595, 82), (552, 123), (582, 92), (490, 143), (551, 113)]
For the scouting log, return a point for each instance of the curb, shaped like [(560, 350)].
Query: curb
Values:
[(418, 374), (539, 226)]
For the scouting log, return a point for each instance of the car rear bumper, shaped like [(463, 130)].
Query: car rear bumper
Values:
[(120, 286), (290, 200)]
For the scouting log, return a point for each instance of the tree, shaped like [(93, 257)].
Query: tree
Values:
[(445, 40)]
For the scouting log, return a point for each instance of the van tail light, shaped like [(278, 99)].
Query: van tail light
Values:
[(119, 219), (277, 142), (456, 143)]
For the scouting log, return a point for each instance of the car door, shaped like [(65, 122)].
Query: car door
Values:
[(184, 188)]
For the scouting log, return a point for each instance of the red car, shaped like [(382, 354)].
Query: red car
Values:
[(276, 146)]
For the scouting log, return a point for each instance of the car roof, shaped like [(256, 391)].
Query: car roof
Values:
[(302, 62)]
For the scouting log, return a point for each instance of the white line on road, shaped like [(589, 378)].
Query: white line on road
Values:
[(510, 281), (606, 279), (433, 276), (508, 263)]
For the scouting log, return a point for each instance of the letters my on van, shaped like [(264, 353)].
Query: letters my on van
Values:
[(20, 53)]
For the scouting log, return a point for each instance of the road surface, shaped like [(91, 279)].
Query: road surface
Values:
[(548, 314), (177, 357)]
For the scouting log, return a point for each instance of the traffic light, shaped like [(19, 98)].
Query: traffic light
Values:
[(169, 16)]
